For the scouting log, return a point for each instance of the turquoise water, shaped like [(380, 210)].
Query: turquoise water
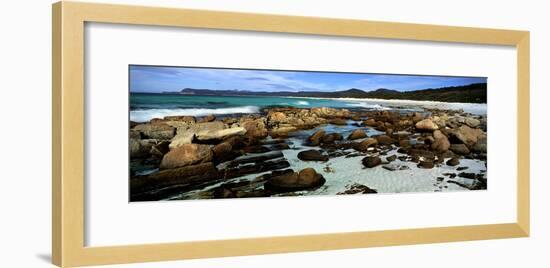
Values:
[(144, 107)]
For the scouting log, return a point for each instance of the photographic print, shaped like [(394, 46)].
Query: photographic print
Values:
[(210, 133)]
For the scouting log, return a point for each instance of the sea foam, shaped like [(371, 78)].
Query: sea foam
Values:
[(146, 115)]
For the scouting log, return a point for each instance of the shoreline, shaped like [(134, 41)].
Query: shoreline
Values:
[(307, 151)]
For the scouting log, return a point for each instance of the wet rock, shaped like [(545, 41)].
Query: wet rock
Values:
[(282, 131), (394, 167), (312, 155), (357, 134), (450, 175), (338, 121), (481, 145), (467, 175), (453, 162), (358, 189), (461, 149), (256, 167), (467, 135), (426, 124), (315, 138), (223, 152), (441, 142), (181, 118), (363, 146), (134, 134), (255, 129), (384, 139), (391, 158), (404, 143), (208, 118), (160, 149), (370, 122), (472, 122), (331, 138), (256, 158), (418, 153), (156, 131), (371, 161), (306, 179), (461, 168), (426, 164), (256, 149), (141, 148), (167, 182), (185, 155)]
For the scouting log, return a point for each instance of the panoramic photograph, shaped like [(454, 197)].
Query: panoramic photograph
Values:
[(212, 133)]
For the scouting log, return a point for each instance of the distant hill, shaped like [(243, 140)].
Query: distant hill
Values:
[(473, 93)]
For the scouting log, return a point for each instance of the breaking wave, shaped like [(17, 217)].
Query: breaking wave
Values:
[(146, 115)]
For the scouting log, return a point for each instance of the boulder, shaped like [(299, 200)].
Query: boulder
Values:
[(159, 131), (426, 124), (255, 128), (315, 138), (141, 148), (282, 131), (306, 179), (472, 122), (404, 143), (312, 155), (364, 145), (441, 142), (391, 158), (467, 135), (331, 138), (384, 139), (220, 134), (208, 118), (181, 139), (459, 149), (222, 151), (186, 155), (453, 162), (426, 164), (371, 161), (370, 122), (357, 134), (338, 121)]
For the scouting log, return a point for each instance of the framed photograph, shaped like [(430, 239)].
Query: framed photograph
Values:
[(181, 134)]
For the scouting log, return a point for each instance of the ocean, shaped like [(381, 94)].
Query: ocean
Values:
[(146, 106)]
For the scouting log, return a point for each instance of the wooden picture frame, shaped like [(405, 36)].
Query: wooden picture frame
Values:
[(68, 132)]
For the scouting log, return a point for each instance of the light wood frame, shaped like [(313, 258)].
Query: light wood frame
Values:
[(68, 249)]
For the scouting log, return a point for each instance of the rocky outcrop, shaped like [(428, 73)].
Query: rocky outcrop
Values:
[(441, 142), (186, 155), (426, 124), (290, 182), (312, 155), (159, 131)]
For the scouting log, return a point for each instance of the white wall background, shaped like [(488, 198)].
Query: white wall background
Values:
[(25, 132)]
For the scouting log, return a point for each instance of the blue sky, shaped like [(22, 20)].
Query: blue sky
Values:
[(159, 79)]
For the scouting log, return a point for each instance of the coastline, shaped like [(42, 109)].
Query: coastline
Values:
[(308, 151)]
